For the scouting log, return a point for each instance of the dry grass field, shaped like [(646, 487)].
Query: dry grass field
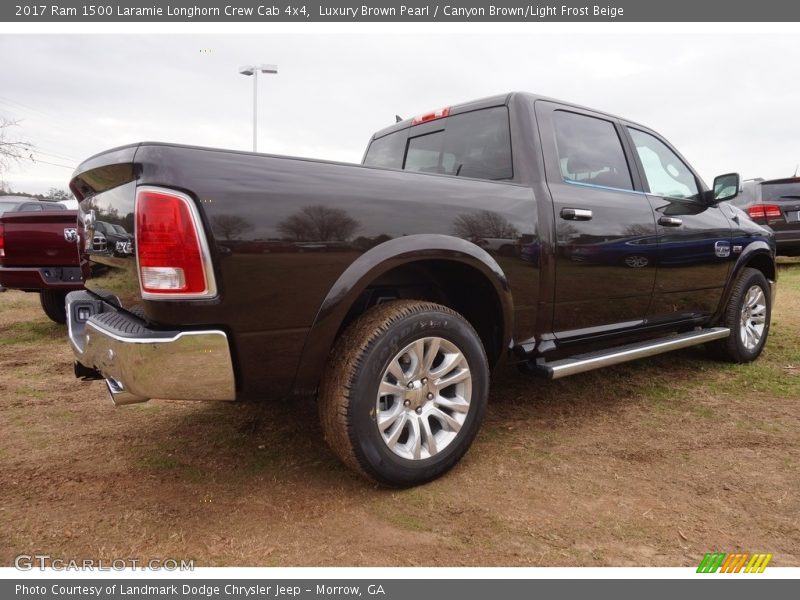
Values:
[(651, 463)]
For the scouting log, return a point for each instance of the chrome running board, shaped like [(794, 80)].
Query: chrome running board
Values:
[(620, 354)]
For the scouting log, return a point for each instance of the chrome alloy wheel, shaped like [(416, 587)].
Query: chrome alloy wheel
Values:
[(423, 398), (753, 317), (637, 262)]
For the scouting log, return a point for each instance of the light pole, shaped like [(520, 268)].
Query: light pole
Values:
[(253, 70)]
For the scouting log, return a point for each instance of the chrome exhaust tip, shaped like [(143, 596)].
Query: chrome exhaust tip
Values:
[(119, 396)]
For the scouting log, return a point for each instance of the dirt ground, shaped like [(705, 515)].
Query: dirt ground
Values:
[(651, 463)]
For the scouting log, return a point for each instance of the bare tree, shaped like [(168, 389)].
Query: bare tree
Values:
[(566, 231), (484, 224), (12, 150), (59, 194), (319, 224), (638, 229), (229, 227)]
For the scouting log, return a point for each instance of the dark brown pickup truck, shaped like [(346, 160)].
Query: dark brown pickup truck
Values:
[(39, 252), (514, 228)]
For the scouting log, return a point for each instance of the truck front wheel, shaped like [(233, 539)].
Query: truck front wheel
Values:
[(404, 392), (748, 317), (53, 305)]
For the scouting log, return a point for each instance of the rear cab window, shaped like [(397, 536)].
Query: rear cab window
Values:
[(475, 144)]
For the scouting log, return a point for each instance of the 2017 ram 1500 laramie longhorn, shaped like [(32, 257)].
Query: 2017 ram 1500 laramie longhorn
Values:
[(511, 228)]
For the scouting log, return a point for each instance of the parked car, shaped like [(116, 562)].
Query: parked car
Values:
[(398, 337), (112, 239), (27, 204), (39, 253), (775, 203), (501, 246)]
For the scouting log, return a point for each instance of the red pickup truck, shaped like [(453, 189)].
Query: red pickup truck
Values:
[(39, 253)]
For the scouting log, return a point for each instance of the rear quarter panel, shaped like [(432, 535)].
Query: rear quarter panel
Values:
[(273, 280)]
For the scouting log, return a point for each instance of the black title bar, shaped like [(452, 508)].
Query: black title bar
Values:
[(500, 11), (700, 588)]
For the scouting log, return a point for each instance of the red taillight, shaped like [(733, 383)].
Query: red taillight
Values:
[(431, 116), (170, 246), (764, 211), (2, 240)]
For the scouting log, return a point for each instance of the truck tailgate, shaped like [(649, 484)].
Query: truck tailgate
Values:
[(39, 239)]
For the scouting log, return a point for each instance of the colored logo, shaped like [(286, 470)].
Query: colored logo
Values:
[(734, 563)]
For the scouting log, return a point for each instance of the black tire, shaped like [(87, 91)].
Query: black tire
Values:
[(733, 348), (349, 405), (53, 305)]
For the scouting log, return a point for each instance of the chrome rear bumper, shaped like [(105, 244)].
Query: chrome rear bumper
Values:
[(140, 363)]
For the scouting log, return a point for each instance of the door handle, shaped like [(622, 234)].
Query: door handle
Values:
[(576, 214), (670, 221)]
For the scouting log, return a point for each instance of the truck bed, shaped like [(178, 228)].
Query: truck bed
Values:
[(286, 230), (39, 250)]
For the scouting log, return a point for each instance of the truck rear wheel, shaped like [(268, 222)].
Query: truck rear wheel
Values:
[(748, 316), (53, 305), (404, 392)]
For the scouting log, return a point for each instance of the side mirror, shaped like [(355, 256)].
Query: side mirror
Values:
[(726, 187)]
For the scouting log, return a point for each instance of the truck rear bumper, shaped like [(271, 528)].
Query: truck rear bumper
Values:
[(140, 363), (41, 278)]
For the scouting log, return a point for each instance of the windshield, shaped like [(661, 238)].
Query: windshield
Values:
[(4, 206)]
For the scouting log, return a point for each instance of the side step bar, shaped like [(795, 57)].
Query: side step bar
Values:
[(614, 356)]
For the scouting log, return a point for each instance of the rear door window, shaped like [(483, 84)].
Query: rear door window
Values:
[(476, 144), (590, 151), (30, 207)]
